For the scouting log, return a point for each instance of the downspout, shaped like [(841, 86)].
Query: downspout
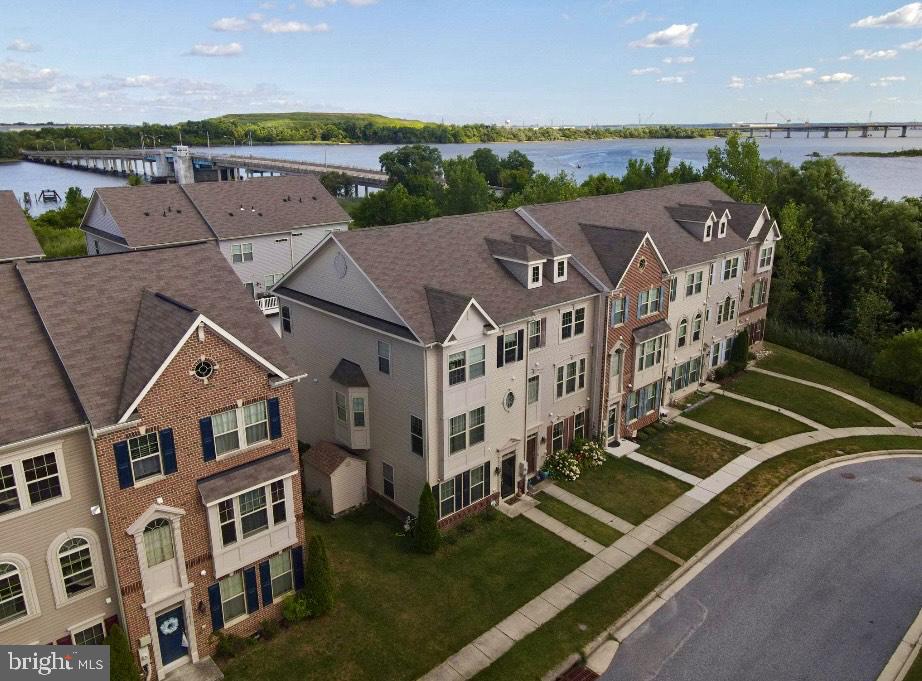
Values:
[(601, 353)]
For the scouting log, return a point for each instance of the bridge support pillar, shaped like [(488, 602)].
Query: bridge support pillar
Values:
[(825, 132), (885, 130), (846, 133), (865, 132), (903, 130), (787, 133)]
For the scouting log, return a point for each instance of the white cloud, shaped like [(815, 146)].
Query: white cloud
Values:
[(20, 45), (906, 16), (279, 26), (887, 81), (677, 35), (671, 80), (142, 80), (833, 79), (216, 50), (361, 3), (736, 83), (869, 55), (637, 18), (266, 5), (17, 75), (678, 60), (791, 74), (644, 71), (319, 4), (914, 45), (230, 24)]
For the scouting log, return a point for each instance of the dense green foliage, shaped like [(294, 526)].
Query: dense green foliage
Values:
[(122, 665), (898, 366), (318, 582), (426, 532), (842, 350), (58, 230)]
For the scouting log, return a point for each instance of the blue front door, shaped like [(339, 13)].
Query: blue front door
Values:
[(170, 629)]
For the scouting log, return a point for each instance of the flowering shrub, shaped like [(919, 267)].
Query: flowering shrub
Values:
[(562, 465), (590, 454)]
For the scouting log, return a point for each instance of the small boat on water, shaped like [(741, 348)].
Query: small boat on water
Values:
[(49, 196)]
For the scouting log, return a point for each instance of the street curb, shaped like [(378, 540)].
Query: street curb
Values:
[(905, 654), (640, 613)]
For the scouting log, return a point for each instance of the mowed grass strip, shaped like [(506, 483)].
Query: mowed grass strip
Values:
[(746, 420), (626, 488), (398, 613), (690, 536), (817, 405), (688, 449), (793, 363), (586, 525), (542, 650)]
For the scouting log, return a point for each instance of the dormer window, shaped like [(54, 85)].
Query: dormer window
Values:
[(722, 228), (560, 270), (534, 275), (708, 230)]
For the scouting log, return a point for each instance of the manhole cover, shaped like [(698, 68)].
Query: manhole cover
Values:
[(848, 476)]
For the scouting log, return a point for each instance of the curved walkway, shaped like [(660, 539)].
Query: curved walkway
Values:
[(889, 418), (819, 587)]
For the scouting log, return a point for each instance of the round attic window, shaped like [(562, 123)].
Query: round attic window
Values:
[(339, 265), (642, 264), (204, 368), (508, 400)]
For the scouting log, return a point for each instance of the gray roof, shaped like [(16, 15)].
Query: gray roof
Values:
[(615, 248), (513, 250), (446, 309), (94, 327), (35, 397), (16, 237), (646, 210), (544, 247), (743, 217), (326, 457), (645, 333), (451, 255), (346, 312), (246, 476), (349, 374), (158, 215)]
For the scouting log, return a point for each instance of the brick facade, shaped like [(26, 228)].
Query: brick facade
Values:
[(754, 318), (177, 401)]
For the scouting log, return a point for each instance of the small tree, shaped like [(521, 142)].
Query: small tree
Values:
[(898, 366), (427, 525), (739, 353), (121, 660), (318, 585)]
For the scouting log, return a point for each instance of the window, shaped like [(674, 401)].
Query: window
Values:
[(458, 369), (696, 328), (384, 357), (508, 400), (286, 319), (579, 426), (557, 437), (561, 270), (96, 246), (758, 294), (612, 422), (256, 422), (643, 401), (566, 325), (534, 334), (617, 358), (226, 435), (533, 387), (233, 601), (466, 430), (271, 280), (253, 515), (388, 473), (763, 292), (715, 355), (581, 374), (358, 412), (9, 496), (510, 347), (42, 479), (618, 308), (766, 256), (571, 377), (227, 522), (476, 430), (731, 268), (477, 358), (673, 289), (686, 374), (746, 257), (76, 566), (726, 310), (341, 408), (447, 498), (579, 324), (650, 353), (91, 636), (477, 484), (693, 283), (535, 274), (462, 490), (728, 346), (12, 597), (241, 427), (648, 302), (277, 494), (281, 574), (416, 435), (708, 229), (722, 228), (682, 334), (242, 253), (158, 541)]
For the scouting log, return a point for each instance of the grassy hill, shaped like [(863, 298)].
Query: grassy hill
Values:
[(302, 118)]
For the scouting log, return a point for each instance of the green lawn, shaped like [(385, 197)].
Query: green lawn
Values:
[(626, 488), (60, 243), (398, 613), (787, 361), (818, 405), (542, 650), (692, 534), (688, 449), (586, 525), (746, 420)]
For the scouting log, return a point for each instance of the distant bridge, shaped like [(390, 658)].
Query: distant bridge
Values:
[(181, 164), (862, 129)]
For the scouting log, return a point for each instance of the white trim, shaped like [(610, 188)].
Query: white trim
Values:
[(483, 313), (508, 258), (153, 511), (38, 439), (266, 483), (88, 624), (54, 565), (22, 488), (29, 594), (662, 262)]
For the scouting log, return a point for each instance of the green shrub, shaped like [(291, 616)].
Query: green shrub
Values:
[(898, 366), (844, 351), (230, 645), (122, 664), (739, 352), (269, 629), (295, 609), (426, 532), (315, 508), (318, 585)]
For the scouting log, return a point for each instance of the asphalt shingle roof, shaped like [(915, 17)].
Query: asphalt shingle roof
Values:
[(16, 237), (326, 457), (349, 374), (152, 215)]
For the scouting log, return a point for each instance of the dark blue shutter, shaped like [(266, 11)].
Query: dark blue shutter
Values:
[(207, 438), (520, 344), (486, 479), (214, 599), (252, 591), (265, 582), (466, 487), (275, 418), (499, 350), (297, 566), (123, 464), (627, 307), (167, 451)]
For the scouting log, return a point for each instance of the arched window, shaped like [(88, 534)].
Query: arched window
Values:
[(683, 333), (696, 328), (76, 566), (158, 541), (12, 595)]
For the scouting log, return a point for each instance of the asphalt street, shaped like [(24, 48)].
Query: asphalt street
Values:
[(821, 589)]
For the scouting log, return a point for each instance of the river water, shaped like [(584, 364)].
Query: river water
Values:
[(886, 177)]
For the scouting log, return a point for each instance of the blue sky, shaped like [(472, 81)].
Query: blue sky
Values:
[(533, 62)]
